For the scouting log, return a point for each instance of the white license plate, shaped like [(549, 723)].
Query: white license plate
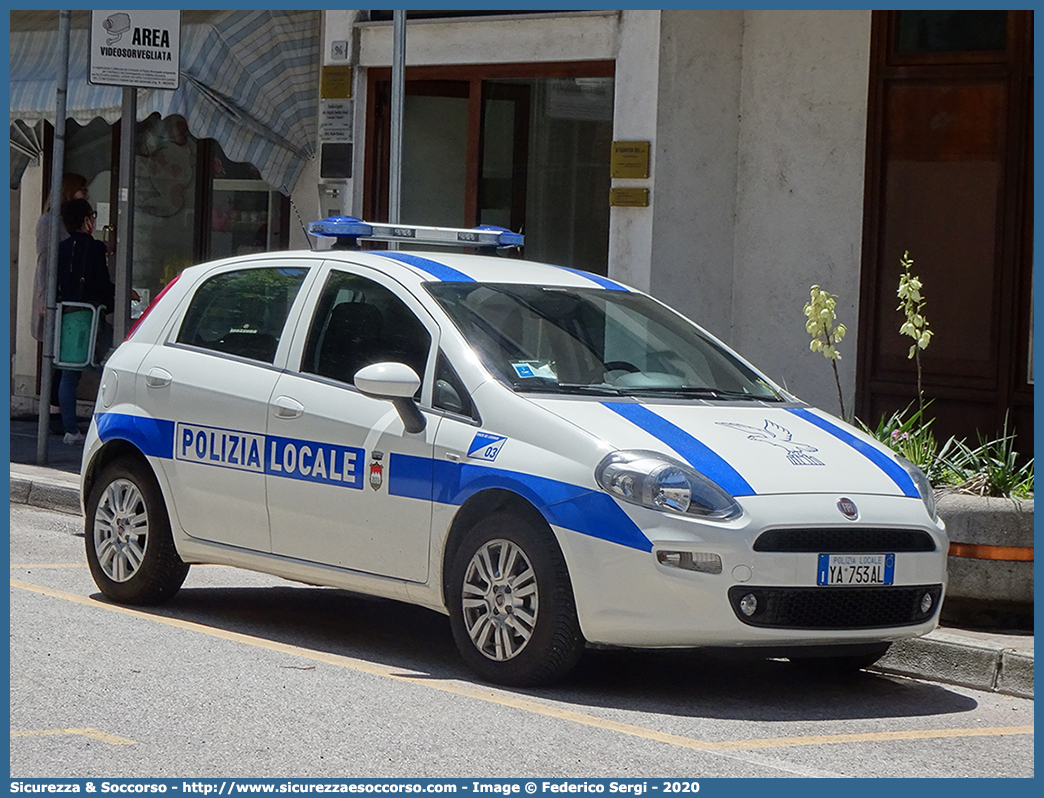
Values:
[(856, 569)]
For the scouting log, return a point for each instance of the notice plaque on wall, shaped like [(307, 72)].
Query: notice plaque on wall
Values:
[(335, 121), (629, 197), (335, 83), (629, 159)]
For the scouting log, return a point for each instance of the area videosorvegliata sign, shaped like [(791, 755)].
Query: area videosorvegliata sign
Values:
[(135, 48)]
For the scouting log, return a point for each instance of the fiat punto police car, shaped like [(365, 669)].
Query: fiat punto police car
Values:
[(550, 457)]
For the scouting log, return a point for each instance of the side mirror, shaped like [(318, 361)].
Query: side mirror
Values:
[(397, 383)]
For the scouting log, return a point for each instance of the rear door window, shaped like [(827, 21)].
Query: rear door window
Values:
[(242, 313)]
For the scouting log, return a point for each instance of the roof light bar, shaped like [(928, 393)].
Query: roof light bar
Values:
[(348, 230)]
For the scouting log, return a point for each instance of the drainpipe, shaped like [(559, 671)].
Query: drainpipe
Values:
[(398, 91)]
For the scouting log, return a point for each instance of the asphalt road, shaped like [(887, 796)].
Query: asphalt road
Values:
[(244, 675)]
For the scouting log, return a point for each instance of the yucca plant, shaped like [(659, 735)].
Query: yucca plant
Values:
[(826, 332)]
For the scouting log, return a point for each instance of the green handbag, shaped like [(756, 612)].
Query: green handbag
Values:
[(76, 330)]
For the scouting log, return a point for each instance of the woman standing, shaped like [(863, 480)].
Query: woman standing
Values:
[(74, 186), (83, 276)]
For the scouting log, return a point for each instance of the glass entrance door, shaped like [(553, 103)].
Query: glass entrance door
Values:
[(529, 153)]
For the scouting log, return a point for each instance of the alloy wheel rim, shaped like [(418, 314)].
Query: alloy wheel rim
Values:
[(500, 600), (121, 530)]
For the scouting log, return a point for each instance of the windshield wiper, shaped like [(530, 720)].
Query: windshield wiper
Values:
[(544, 385), (699, 393)]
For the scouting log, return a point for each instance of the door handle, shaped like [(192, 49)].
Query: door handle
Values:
[(285, 407), (158, 378)]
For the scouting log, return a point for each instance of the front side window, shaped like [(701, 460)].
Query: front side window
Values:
[(243, 312), (593, 341), (359, 322), (450, 393)]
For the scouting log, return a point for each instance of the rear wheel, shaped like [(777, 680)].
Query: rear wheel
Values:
[(511, 603), (130, 550)]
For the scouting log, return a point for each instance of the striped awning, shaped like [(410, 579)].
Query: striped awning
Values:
[(249, 80)]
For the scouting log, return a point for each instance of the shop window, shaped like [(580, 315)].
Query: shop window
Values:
[(246, 214), (191, 202), (166, 174)]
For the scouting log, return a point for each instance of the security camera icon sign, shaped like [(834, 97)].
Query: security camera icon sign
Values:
[(117, 25)]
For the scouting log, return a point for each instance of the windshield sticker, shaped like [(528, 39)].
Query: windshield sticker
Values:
[(799, 454), (535, 368), (485, 446)]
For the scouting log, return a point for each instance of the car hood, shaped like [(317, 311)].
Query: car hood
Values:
[(752, 449)]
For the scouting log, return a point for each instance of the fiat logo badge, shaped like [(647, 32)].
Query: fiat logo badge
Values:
[(848, 508)]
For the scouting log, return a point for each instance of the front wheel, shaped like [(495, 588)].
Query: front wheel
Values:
[(130, 550), (511, 603)]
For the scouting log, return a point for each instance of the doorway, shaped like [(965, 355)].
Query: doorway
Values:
[(949, 179)]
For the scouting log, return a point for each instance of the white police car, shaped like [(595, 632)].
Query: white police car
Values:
[(548, 456)]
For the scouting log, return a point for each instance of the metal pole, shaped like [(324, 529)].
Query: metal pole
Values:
[(125, 216), (43, 428), (398, 92)]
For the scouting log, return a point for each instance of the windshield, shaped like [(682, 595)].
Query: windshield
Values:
[(593, 341)]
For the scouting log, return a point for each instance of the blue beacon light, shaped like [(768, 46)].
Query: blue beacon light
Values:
[(348, 230)]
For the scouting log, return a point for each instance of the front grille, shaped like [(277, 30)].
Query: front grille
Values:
[(845, 539), (835, 607)]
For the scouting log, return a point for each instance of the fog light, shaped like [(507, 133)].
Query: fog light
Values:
[(690, 561), (749, 604), (926, 603)]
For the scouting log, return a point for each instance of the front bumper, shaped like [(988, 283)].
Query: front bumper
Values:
[(627, 597)]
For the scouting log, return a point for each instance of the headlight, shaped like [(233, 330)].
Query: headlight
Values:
[(652, 480), (924, 487)]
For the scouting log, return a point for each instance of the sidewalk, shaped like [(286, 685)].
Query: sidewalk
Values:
[(993, 660)]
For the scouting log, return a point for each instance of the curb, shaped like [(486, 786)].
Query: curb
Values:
[(995, 663), (981, 666), (45, 494)]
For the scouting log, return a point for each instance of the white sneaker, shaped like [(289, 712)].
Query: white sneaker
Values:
[(73, 439)]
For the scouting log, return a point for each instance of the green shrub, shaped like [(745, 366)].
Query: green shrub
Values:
[(993, 468)]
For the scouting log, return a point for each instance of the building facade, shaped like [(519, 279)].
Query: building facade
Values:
[(785, 149)]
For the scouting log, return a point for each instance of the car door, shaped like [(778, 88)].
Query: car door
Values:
[(213, 377), (347, 485)]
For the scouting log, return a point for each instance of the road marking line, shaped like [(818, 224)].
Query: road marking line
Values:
[(524, 704), (25, 565), (94, 734)]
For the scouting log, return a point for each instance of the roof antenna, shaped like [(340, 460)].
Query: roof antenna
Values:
[(304, 227)]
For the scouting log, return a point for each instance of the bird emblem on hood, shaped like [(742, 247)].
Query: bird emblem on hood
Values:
[(775, 435)]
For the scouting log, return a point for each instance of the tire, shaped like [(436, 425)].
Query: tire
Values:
[(130, 550), (842, 663), (511, 603)]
